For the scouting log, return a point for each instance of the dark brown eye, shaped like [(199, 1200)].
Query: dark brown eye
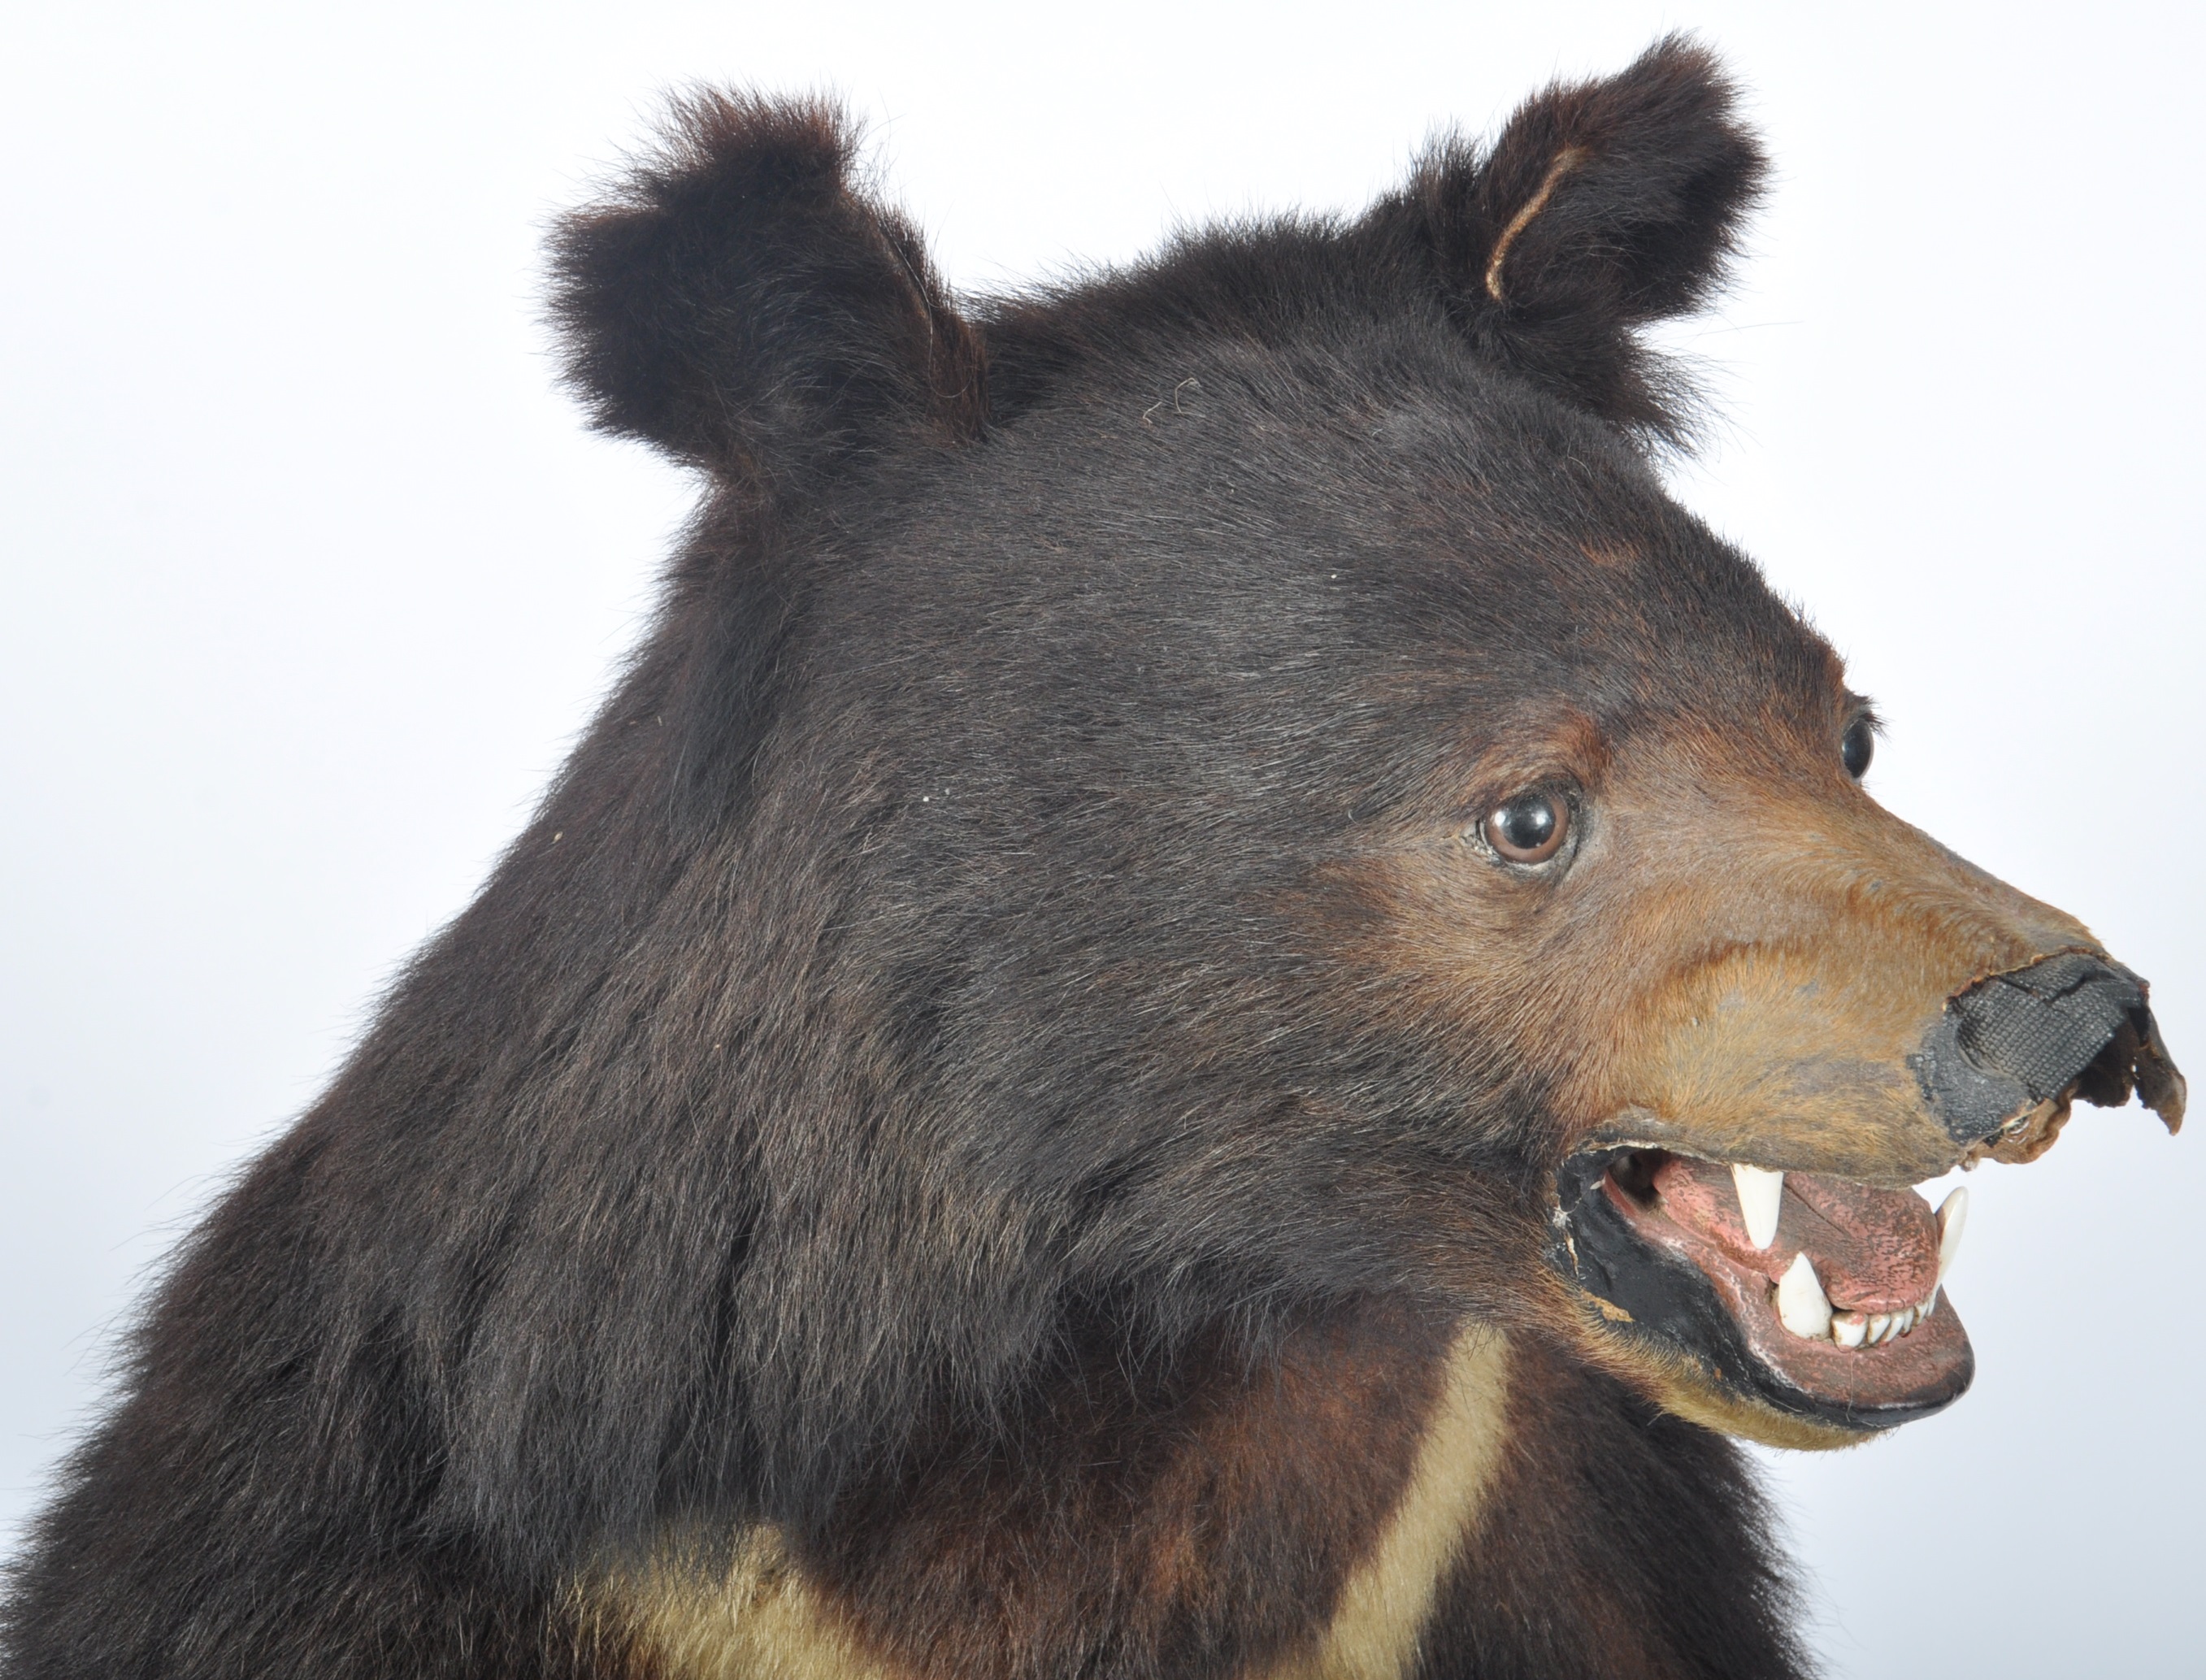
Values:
[(1531, 828), (1857, 747)]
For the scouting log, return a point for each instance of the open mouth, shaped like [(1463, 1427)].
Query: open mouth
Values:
[(1817, 1294)]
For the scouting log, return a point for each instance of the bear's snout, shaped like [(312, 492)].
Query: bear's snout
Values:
[(2010, 1049)]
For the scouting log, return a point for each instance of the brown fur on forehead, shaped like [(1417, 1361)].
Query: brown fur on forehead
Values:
[(1415, 537), (1512, 534), (1533, 740), (1506, 574)]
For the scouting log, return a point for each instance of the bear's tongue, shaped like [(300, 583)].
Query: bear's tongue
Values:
[(1842, 1306), (1874, 1251)]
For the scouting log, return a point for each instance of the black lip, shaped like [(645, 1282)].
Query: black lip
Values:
[(1673, 1303)]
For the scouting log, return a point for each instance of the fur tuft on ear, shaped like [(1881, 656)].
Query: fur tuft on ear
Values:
[(738, 302), (1602, 206)]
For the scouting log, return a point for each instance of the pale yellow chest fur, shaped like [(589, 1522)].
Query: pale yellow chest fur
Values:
[(763, 1621), (1386, 1602)]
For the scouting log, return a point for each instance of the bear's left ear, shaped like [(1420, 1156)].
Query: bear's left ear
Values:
[(742, 302), (1601, 208)]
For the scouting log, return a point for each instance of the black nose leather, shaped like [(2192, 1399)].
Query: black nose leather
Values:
[(2010, 1042)]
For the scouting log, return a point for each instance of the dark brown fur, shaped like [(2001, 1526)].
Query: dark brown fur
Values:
[(998, 1064), (1543, 1589), (1196, 1518)]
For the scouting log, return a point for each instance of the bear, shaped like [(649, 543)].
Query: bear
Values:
[(1217, 1000)]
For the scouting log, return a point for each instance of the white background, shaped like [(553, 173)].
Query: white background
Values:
[(307, 576)]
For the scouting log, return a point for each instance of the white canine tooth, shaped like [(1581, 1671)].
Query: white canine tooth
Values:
[(1848, 1329), (1880, 1326), (1802, 1306), (1760, 1192), (1952, 1219)]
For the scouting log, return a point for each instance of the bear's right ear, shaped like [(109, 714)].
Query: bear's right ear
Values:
[(1602, 206), (737, 303)]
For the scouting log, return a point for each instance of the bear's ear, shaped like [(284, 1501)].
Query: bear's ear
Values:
[(736, 301), (1601, 208)]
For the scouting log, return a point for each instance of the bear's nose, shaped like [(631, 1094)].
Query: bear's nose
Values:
[(2070, 1022)]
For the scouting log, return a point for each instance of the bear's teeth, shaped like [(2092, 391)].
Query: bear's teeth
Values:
[(1802, 1306), (1761, 1193), (1851, 1329), (1952, 1217)]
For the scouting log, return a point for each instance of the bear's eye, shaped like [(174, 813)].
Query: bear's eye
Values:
[(1857, 747), (1531, 828)]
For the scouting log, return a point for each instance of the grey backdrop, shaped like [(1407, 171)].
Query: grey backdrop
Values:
[(310, 576)]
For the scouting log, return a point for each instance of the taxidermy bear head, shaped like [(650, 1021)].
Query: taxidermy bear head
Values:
[(1311, 814), (1215, 996)]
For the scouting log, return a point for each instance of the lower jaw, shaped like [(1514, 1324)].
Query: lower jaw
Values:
[(1724, 1358)]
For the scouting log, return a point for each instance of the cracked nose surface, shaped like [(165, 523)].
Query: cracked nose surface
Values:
[(2070, 1025)]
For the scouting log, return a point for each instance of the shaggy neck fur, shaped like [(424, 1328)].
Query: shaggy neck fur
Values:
[(1518, 1470)]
